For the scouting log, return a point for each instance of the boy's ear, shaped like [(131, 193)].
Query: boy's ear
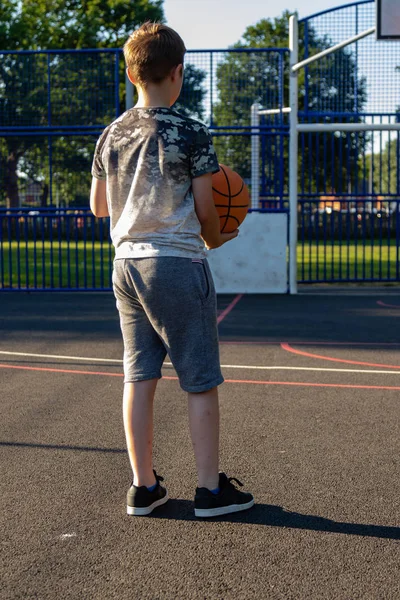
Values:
[(131, 79), (177, 71)]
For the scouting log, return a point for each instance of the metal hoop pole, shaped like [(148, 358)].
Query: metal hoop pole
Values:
[(293, 151)]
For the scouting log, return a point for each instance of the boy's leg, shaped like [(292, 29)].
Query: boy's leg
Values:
[(144, 355), (138, 403), (215, 495), (146, 493), (204, 431)]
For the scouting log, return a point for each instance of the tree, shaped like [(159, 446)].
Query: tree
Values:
[(59, 24), (190, 101), (66, 24), (386, 169), (245, 78)]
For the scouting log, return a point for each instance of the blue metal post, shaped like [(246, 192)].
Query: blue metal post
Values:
[(2, 251), (35, 224), (101, 222), (26, 235), (59, 229), (211, 90), (77, 222), (9, 235), (93, 227), (43, 222), (306, 73), (68, 229), (49, 124), (51, 220), (281, 145)]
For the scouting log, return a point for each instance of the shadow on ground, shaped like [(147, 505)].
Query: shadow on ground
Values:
[(276, 516)]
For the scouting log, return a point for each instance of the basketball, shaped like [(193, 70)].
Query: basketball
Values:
[(231, 198)]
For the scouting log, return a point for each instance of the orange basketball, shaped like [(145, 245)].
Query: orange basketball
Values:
[(231, 198)]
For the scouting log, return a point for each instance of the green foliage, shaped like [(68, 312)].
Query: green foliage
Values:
[(67, 24), (82, 87), (190, 101), (386, 169)]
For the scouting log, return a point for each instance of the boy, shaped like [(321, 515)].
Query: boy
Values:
[(152, 173)]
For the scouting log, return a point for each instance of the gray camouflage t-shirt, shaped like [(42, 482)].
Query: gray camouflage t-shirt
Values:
[(149, 157)]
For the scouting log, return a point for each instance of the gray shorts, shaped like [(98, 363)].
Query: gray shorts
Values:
[(167, 305)]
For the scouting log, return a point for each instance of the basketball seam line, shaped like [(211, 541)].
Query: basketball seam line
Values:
[(230, 217), (229, 198), (227, 195), (236, 206)]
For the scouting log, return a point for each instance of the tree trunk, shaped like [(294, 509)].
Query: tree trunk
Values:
[(11, 181)]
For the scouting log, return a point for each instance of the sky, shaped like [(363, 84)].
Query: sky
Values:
[(217, 24)]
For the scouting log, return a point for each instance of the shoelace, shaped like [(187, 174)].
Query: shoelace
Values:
[(235, 480), (158, 477)]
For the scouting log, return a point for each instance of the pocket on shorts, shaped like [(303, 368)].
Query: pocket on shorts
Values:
[(116, 272), (203, 280)]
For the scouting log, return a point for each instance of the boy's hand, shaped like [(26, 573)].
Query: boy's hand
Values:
[(224, 237)]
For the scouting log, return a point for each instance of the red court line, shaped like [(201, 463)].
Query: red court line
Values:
[(309, 343), (248, 381), (229, 308), (387, 305), (288, 348)]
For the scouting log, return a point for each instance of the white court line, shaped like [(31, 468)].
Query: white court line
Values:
[(285, 368), (111, 360), (251, 367)]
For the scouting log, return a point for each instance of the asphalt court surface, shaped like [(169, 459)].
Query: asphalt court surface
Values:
[(309, 422)]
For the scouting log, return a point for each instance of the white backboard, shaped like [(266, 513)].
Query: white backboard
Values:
[(388, 19)]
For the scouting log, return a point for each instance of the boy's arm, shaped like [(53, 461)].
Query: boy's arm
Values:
[(98, 198), (207, 213)]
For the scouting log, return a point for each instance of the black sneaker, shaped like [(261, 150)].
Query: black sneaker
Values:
[(228, 500), (141, 502)]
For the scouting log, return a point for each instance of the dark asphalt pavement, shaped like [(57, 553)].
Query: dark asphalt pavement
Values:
[(310, 417)]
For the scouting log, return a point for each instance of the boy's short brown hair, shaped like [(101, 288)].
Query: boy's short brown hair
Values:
[(152, 51)]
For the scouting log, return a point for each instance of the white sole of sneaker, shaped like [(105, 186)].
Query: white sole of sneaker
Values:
[(142, 512), (222, 510)]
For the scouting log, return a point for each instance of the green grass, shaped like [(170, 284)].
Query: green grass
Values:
[(78, 265), (58, 265), (338, 262)]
